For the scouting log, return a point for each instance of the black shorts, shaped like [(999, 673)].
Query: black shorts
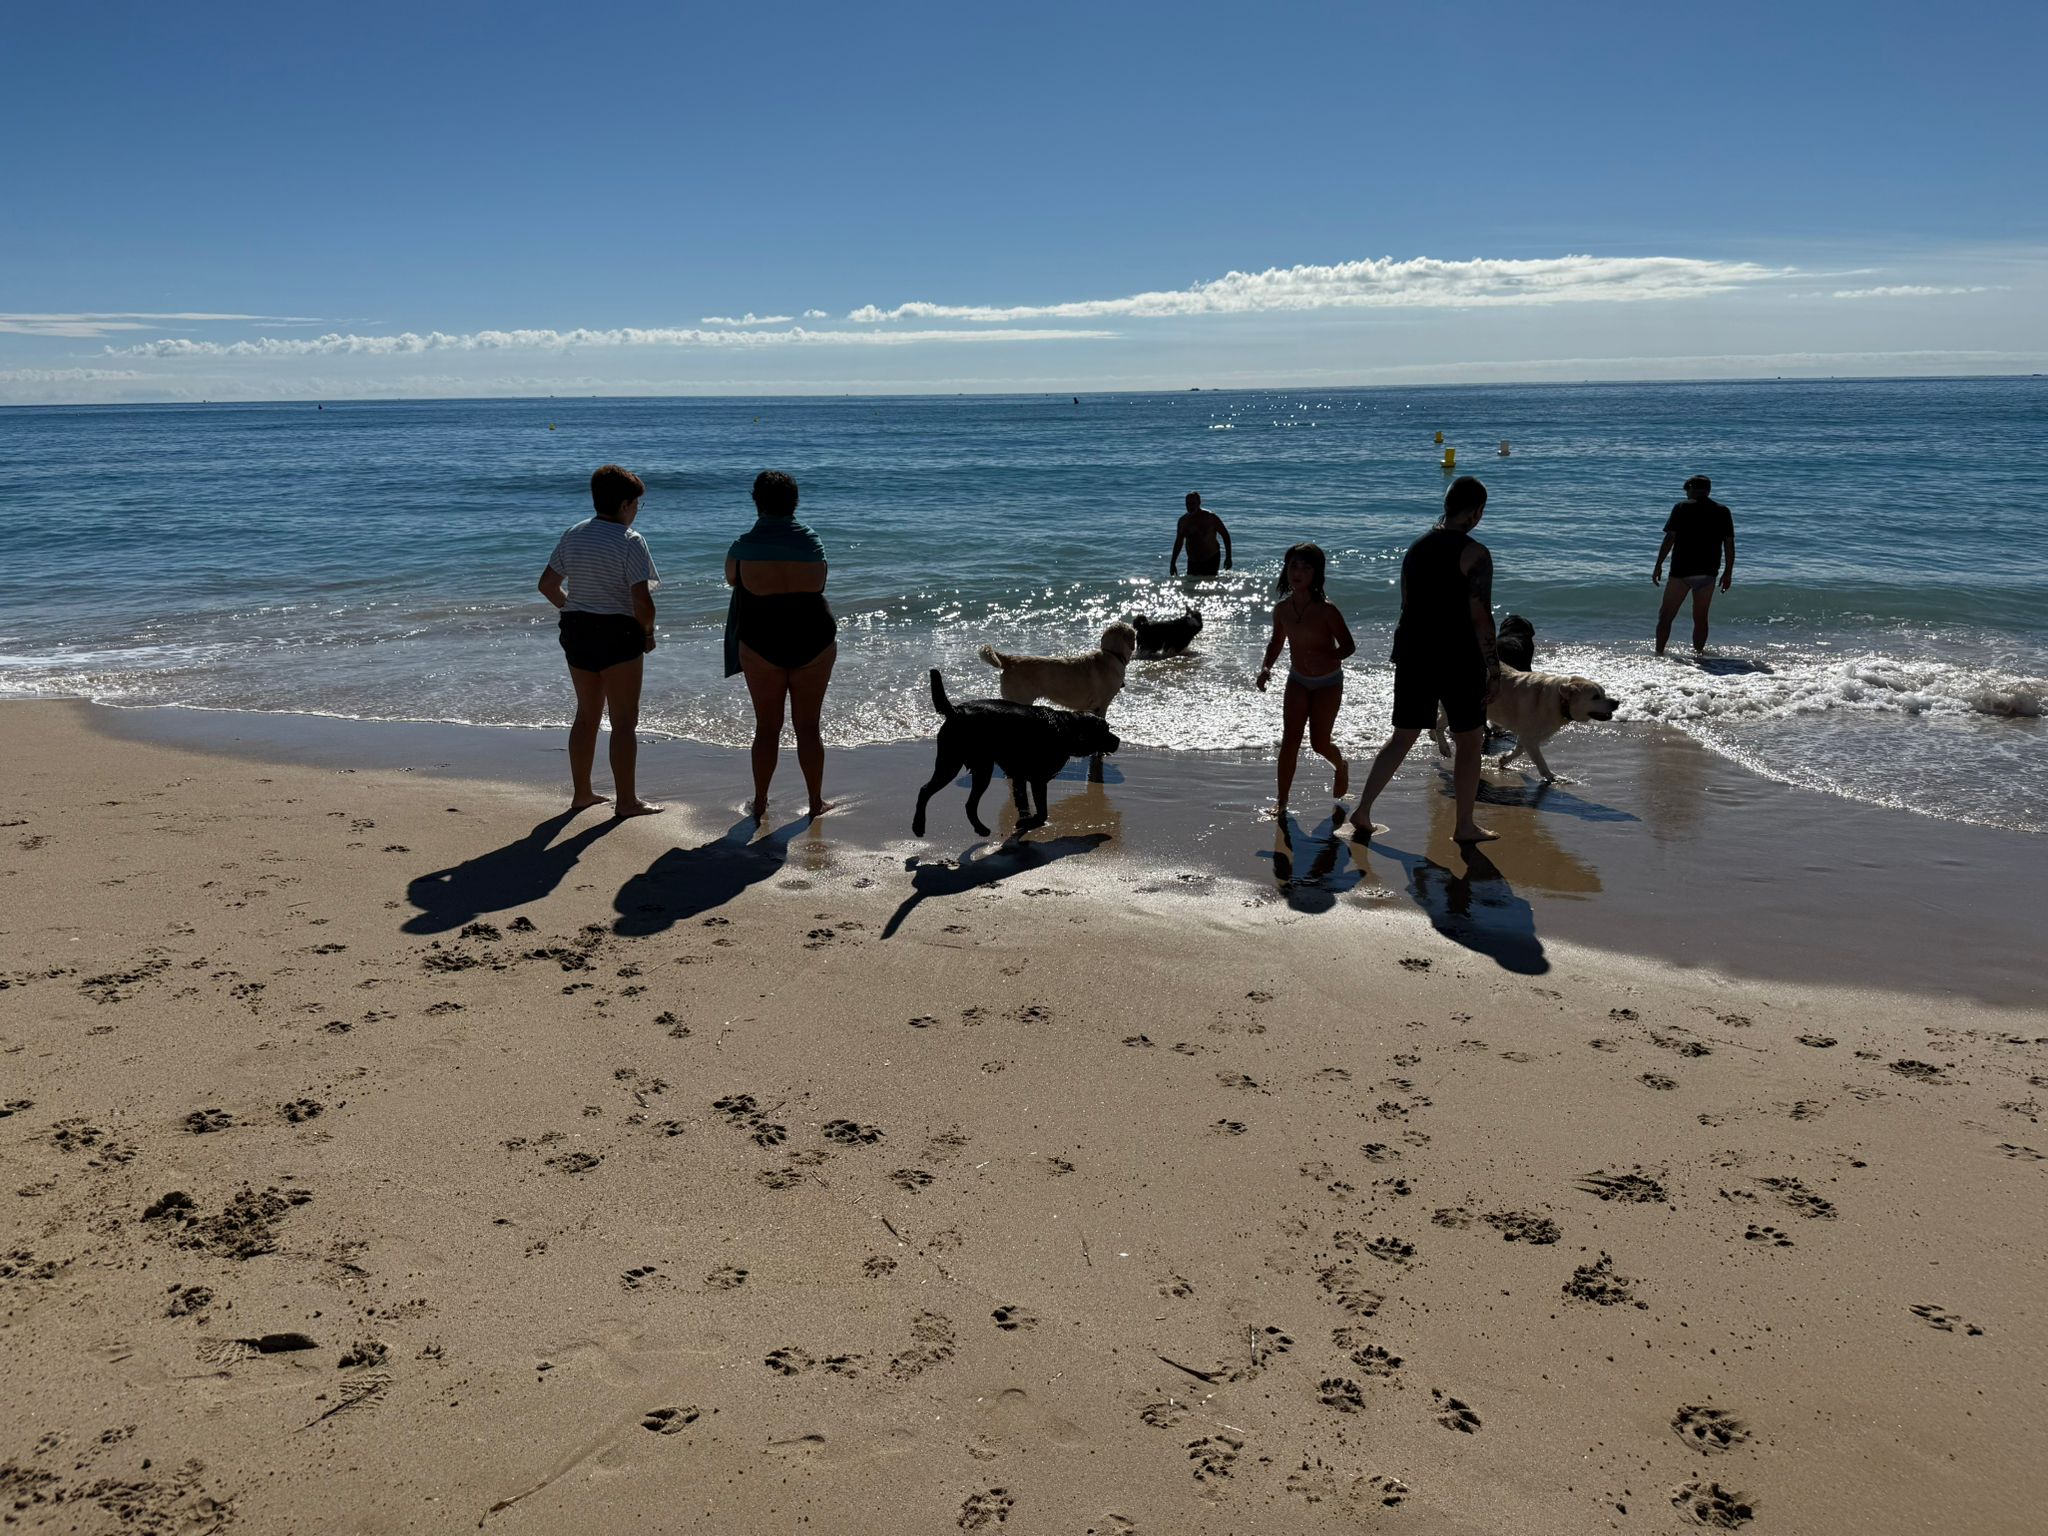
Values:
[(1457, 684), (594, 641)]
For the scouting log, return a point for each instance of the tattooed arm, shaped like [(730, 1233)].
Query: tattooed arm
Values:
[(1477, 564)]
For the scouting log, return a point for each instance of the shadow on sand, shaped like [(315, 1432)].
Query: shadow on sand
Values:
[(1476, 907), (687, 882), (510, 876), (1540, 796), (1313, 886), (948, 877)]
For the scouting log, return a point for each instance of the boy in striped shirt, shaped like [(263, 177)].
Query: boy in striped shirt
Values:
[(600, 576)]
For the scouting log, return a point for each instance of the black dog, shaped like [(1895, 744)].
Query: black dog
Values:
[(1029, 742), (1516, 643), (1166, 637)]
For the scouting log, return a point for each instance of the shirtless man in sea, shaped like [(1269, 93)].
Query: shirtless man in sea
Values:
[(1199, 531)]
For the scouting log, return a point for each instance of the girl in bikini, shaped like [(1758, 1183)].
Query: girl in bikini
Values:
[(1318, 640)]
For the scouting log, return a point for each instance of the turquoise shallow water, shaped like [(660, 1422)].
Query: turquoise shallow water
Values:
[(1884, 638)]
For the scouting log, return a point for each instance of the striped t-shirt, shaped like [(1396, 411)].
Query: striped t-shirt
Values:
[(599, 562)]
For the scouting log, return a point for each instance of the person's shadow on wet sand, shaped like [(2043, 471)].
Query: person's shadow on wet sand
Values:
[(1546, 796), (1328, 874), (949, 877), (687, 882), (511, 876), (1476, 908)]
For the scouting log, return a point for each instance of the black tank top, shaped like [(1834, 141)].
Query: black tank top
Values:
[(1436, 602)]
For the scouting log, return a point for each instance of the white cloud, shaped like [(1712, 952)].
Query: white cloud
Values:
[(1421, 282), (409, 343), (817, 314), (1902, 291), (749, 318), (67, 375), (105, 323)]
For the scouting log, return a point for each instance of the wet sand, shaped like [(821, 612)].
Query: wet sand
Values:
[(389, 1150), (1653, 847)]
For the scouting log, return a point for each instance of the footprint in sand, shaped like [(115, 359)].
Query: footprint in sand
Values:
[(788, 1362), (876, 1265), (1946, 1321), (1633, 1188), (1163, 1415), (1010, 1319), (202, 1121), (1523, 1227), (851, 1133), (1818, 1042), (1229, 1127), (1140, 1042), (1769, 1236), (1598, 1284), (726, 1278), (1712, 1506), (301, 1110), (986, 1510), (1374, 1360), (2023, 1154), (1658, 1081), (911, 1179), (1213, 1456), (1709, 1430), (1919, 1071), (1340, 1393), (640, 1277), (1452, 1413)]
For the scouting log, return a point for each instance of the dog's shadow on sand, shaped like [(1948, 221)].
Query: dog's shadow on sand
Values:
[(972, 870), (1312, 869), (688, 882), (1476, 907), (522, 871), (1547, 796)]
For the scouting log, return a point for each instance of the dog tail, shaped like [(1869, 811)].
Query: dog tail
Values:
[(992, 656), (939, 700)]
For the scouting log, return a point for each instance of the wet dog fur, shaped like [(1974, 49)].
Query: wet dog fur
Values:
[(1030, 743)]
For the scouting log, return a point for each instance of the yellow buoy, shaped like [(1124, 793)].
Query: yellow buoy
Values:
[(551, 426), (1439, 437), (1450, 458)]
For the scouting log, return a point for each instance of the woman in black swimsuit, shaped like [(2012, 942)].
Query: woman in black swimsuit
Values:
[(784, 635)]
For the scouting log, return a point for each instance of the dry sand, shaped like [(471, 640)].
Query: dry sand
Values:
[(626, 1187)]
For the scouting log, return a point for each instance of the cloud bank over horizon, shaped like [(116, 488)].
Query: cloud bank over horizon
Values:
[(1419, 282)]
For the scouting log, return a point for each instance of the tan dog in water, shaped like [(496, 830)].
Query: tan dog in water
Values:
[(1086, 683), (1536, 706)]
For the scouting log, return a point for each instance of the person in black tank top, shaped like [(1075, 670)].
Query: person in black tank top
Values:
[(1443, 654)]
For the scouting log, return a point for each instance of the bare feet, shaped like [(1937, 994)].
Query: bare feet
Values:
[(637, 808), (584, 802), (820, 807), (1343, 785), (758, 809), (1362, 824), (1473, 833)]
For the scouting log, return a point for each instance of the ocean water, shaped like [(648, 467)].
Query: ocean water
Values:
[(1884, 639)]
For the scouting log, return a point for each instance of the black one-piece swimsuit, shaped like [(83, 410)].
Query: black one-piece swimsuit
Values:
[(785, 629)]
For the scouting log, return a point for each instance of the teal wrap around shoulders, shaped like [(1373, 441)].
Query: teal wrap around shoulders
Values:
[(771, 538)]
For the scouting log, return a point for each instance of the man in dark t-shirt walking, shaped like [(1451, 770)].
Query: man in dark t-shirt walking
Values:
[(1443, 654), (1699, 537)]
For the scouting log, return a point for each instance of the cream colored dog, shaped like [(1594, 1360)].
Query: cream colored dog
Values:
[(1085, 683), (1535, 706)]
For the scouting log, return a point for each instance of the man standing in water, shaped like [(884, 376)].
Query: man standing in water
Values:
[(1698, 536), (1199, 530), (1443, 654)]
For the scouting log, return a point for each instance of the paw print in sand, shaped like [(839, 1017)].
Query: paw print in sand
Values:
[(1709, 1430), (669, 1421), (911, 1179), (1340, 1393), (1452, 1413), (1010, 1319)]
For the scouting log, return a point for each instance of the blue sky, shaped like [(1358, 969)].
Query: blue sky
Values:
[(251, 201)]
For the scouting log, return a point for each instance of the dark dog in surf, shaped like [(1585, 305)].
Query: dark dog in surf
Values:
[(1030, 742), (1166, 637), (1515, 643)]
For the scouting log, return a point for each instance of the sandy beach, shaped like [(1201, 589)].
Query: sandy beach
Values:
[(387, 1151)]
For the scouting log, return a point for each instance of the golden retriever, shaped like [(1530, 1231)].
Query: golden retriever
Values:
[(1536, 706), (1085, 683)]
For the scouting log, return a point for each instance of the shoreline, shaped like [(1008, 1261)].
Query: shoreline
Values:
[(1657, 847), (374, 1155)]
